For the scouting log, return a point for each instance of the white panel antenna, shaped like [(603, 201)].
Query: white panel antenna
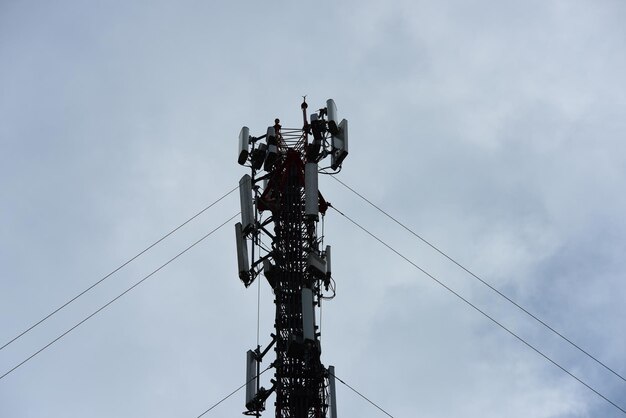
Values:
[(251, 378), (245, 199), (331, 112), (316, 265), (243, 262), (244, 143), (328, 266), (272, 148), (311, 192), (317, 127), (340, 145), (258, 156), (270, 134), (308, 315)]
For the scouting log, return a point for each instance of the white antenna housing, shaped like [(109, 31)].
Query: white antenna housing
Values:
[(244, 143), (251, 378), (308, 314), (340, 145), (311, 192), (331, 112), (270, 134), (316, 265), (328, 267), (258, 155), (272, 148), (245, 199), (243, 262)]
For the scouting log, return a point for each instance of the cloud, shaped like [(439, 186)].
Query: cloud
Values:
[(494, 130)]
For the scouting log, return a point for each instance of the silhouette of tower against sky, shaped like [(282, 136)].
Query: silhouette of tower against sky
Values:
[(281, 204)]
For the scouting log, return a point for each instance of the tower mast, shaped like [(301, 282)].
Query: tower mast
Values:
[(282, 190)]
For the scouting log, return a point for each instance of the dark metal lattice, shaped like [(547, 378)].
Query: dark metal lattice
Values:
[(300, 388)]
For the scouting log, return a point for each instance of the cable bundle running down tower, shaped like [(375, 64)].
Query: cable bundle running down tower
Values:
[(283, 189)]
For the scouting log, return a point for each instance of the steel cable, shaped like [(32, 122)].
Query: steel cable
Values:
[(112, 272), (361, 395), (484, 282), (233, 392), (114, 299), (479, 310)]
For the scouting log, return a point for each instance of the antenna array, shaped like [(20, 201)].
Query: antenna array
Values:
[(282, 190)]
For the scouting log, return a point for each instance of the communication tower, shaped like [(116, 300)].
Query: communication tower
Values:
[(282, 190)]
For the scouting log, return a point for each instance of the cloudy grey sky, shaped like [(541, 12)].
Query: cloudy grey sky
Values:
[(494, 129)]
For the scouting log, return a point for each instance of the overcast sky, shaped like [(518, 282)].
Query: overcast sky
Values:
[(495, 129)]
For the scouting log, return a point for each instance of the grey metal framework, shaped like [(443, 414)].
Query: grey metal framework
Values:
[(282, 190)]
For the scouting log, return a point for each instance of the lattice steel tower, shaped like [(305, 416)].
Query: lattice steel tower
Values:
[(282, 189)]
